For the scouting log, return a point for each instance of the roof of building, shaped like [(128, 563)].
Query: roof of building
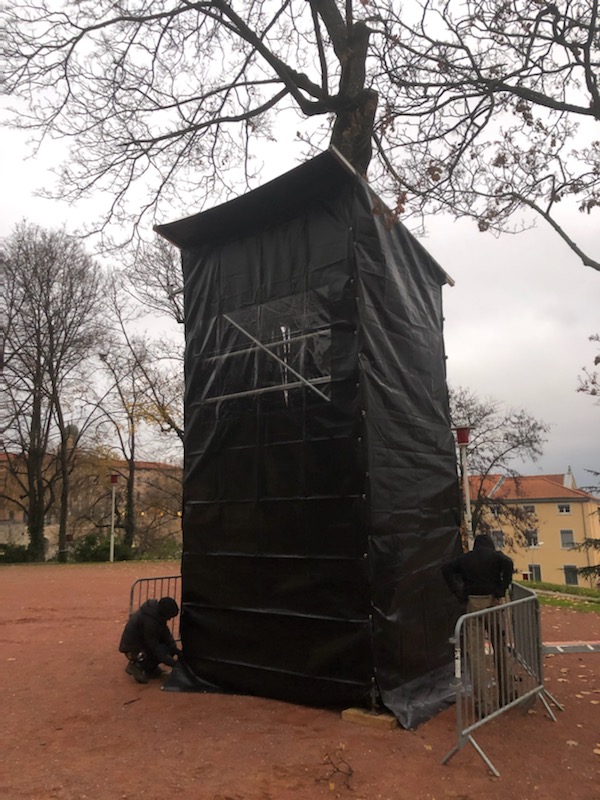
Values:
[(528, 487), (278, 199), (117, 465)]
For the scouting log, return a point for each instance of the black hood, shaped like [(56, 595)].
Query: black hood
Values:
[(484, 540), (150, 607)]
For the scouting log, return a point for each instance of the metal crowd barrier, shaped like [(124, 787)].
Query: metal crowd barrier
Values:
[(153, 589), (497, 665)]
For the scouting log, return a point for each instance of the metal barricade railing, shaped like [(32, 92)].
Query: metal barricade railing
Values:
[(497, 665), (153, 589)]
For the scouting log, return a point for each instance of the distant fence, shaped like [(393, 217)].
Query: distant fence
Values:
[(497, 665), (153, 589)]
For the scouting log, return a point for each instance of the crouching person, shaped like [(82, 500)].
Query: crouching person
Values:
[(147, 640)]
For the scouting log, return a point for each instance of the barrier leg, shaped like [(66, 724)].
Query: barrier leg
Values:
[(491, 767), (482, 755), (452, 752), (543, 695)]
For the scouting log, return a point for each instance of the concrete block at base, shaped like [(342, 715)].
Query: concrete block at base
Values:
[(361, 716)]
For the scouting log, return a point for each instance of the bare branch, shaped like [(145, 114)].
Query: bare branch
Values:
[(482, 109)]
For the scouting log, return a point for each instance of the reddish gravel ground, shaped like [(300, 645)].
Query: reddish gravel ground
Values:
[(75, 726)]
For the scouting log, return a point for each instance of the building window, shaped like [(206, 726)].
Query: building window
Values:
[(531, 537), (566, 540), (564, 508), (495, 511), (535, 571), (498, 539), (571, 575), (529, 509)]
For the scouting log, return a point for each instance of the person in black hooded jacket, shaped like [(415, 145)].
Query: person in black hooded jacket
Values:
[(147, 641), (481, 578), (481, 573)]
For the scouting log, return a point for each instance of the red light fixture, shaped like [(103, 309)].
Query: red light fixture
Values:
[(462, 435)]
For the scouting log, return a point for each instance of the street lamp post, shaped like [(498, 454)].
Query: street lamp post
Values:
[(113, 483), (462, 440)]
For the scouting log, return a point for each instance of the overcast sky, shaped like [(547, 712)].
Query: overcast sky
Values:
[(517, 320)]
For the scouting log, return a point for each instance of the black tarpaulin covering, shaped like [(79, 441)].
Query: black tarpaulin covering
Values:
[(320, 487)]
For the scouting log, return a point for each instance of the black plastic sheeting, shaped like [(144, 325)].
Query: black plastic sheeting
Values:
[(320, 486)]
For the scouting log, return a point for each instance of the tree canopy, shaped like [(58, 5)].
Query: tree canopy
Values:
[(53, 306), (83, 389), (484, 109), (589, 382), (499, 437)]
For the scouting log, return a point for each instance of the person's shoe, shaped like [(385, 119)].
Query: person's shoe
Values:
[(136, 672), (157, 672)]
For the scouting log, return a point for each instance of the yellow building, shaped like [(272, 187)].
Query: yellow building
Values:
[(562, 516), (157, 488)]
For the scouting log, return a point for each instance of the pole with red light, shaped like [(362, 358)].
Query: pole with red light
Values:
[(462, 440), (113, 484)]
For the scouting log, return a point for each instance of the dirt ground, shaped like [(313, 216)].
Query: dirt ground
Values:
[(75, 726)]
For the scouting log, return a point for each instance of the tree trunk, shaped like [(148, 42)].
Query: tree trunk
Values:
[(64, 499), (353, 129), (129, 526), (35, 481), (355, 105), (130, 490), (35, 527), (35, 507)]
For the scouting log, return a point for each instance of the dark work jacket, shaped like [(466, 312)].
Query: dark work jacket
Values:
[(483, 570), (146, 631)]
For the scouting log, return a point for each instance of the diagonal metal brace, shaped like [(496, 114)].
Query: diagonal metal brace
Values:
[(276, 357)]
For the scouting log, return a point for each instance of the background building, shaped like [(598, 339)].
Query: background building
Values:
[(156, 502), (555, 517)]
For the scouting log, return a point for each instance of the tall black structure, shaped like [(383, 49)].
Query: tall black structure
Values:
[(320, 486)]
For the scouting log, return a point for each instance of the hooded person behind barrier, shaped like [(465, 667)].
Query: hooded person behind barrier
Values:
[(147, 640), (481, 571)]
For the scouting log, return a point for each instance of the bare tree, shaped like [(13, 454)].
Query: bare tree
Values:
[(155, 279), (164, 91), (590, 384), (470, 107), (53, 294), (157, 502), (162, 381), (123, 409), (160, 524), (141, 397), (498, 437), (495, 108)]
